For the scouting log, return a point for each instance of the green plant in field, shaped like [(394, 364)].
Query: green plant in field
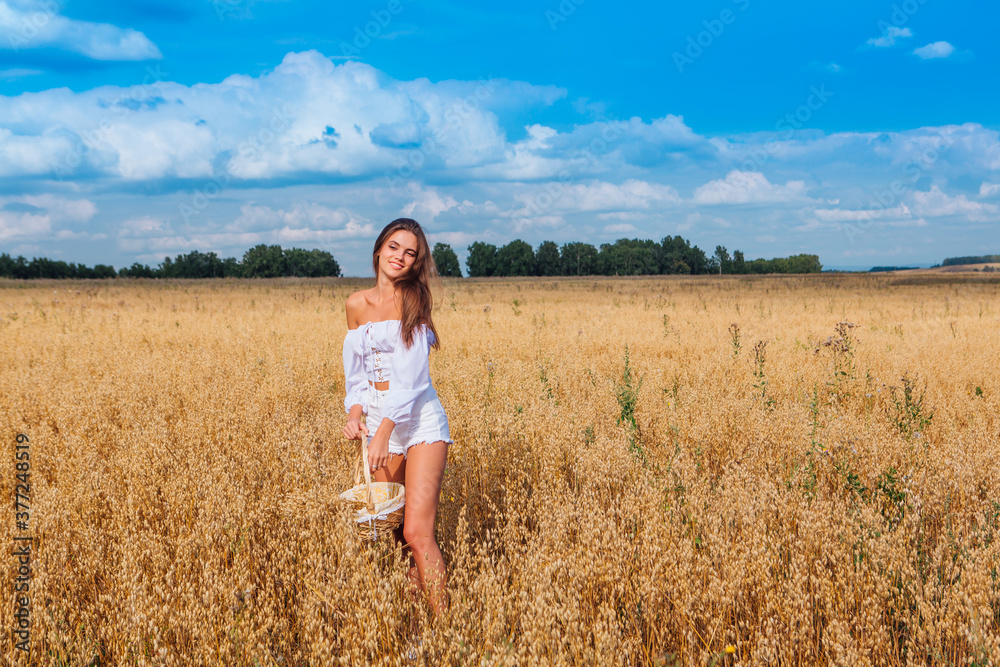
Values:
[(893, 497), (516, 306), (734, 335), (760, 377), (815, 446), (543, 376), (909, 415), (627, 393), (842, 345)]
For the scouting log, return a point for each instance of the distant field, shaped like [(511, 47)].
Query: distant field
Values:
[(753, 470), (962, 268)]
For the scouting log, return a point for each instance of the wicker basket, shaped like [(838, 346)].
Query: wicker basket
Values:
[(378, 505)]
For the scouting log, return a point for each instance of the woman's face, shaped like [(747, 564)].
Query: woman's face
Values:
[(398, 253)]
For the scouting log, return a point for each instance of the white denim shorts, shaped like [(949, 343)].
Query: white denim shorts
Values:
[(428, 422)]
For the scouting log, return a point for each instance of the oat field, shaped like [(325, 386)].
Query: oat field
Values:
[(670, 471)]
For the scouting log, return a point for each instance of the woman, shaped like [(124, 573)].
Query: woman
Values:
[(390, 333)]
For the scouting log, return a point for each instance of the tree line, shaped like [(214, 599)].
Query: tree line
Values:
[(261, 261), (624, 257), (979, 259)]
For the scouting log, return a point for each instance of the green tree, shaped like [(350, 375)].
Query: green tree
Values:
[(482, 260), (446, 261), (43, 267), (680, 267), (804, 264), (722, 261), (678, 253), (310, 263), (739, 262), (264, 261), (7, 265), (138, 270), (578, 259), (104, 271), (628, 257), (231, 268), (195, 264), (547, 259), (517, 258)]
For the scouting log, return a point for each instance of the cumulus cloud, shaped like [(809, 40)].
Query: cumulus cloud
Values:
[(33, 24), (303, 220), (848, 215), (428, 203), (748, 187), (305, 117), (36, 217), (889, 36), (547, 204), (989, 189), (935, 203), (934, 50), (304, 223)]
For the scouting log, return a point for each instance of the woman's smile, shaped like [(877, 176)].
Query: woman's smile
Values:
[(399, 252)]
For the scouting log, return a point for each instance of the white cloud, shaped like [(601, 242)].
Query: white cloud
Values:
[(934, 50), (935, 203), (537, 222), (307, 116), (428, 203), (39, 216), (304, 223), (989, 189), (746, 187), (629, 195), (303, 220), (547, 204), (142, 226), (33, 24), (846, 215), (889, 36)]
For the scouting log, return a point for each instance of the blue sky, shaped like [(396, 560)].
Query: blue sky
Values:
[(864, 132)]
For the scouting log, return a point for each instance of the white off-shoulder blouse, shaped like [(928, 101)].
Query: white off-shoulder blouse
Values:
[(375, 352)]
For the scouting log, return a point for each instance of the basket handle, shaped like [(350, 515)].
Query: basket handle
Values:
[(368, 476)]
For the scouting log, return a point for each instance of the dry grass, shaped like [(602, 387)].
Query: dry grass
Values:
[(774, 487)]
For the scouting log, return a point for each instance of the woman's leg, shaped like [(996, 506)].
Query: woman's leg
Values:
[(424, 469), (394, 471)]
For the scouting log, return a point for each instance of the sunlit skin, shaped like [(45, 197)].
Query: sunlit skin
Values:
[(422, 471)]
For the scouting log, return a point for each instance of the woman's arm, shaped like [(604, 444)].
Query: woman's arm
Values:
[(356, 386), (355, 382)]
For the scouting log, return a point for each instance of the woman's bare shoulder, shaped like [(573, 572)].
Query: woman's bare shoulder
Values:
[(356, 307)]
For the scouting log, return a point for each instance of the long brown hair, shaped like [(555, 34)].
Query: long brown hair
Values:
[(414, 286)]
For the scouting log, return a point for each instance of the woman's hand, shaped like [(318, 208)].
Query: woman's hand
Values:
[(378, 449), (354, 429)]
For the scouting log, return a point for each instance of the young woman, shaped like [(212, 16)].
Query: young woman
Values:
[(390, 333)]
